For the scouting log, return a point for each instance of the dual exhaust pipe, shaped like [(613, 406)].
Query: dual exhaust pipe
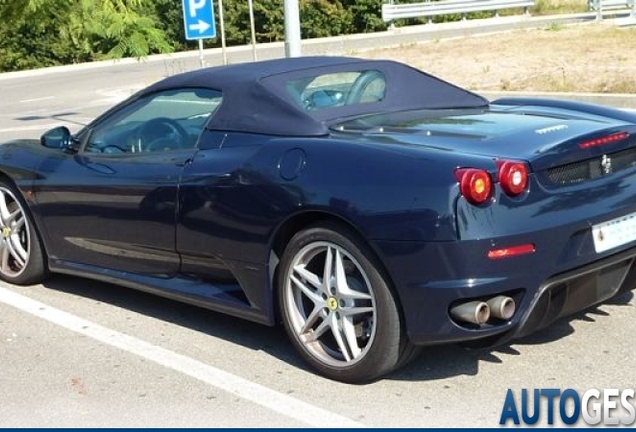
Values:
[(480, 312)]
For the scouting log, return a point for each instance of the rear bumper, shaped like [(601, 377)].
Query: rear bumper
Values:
[(541, 297)]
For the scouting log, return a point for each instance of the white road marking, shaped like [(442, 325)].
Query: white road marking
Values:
[(256, 393), (118, 94), (37, 127), (37, 99)]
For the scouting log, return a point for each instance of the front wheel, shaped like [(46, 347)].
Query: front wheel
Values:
[(21, 256), (337, 307)]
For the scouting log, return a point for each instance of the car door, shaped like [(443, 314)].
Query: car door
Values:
[(113, 204)]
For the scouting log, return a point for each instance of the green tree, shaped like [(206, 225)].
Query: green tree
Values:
[(117, 29), (269, 19), (14, 9), (169, 18), (36, 33), (322, 18), (32, 37), (367, 15)]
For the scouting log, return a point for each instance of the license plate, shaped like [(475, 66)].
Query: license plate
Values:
[(614, 233)]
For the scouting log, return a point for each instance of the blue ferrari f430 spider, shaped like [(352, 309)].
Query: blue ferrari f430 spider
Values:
[(371, 208)]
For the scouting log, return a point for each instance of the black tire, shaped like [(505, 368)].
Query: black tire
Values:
[(369, 340), (22, 259)]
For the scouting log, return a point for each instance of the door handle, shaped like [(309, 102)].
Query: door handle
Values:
[(184, 163)]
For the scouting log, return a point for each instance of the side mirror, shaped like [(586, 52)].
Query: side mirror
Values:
[(56, 138)]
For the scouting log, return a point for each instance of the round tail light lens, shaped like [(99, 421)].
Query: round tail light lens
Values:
[(513, 177), (474, 184)]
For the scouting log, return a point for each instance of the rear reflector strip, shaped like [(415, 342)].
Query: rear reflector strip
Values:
[(604, 140), (511, 251)]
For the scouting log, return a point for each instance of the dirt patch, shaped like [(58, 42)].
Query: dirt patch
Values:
[(594, 57)]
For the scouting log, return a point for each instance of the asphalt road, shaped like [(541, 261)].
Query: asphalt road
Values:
[(75, 352), (80, 353)]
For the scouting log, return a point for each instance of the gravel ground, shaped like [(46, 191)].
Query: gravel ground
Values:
[(594, 57)]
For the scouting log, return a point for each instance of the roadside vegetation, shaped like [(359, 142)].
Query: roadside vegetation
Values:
[(40, 33), (553, 7), (593, 57)]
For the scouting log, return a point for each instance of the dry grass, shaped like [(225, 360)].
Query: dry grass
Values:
[(595, 57), (551, 7)]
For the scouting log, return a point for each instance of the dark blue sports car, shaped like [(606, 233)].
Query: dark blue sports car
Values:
[(370, 207)]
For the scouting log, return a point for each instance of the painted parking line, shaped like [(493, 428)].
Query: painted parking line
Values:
[(35, 127), (248, 390), (40, 99)]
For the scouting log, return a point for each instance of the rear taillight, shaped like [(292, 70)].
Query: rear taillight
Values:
[(474, 184), (513, 177)]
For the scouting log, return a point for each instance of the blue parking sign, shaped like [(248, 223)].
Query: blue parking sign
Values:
[(198, 17)]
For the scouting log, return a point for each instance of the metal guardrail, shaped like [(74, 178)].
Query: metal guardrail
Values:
[(602, 5), (429, 9)]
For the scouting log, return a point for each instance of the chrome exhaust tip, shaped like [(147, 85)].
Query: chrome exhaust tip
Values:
[(502, 307), (474, 312)]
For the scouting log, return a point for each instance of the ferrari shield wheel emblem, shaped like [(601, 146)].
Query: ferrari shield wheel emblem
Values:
[(332, 303)]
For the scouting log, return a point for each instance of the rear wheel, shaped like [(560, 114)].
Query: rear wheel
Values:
[(21, 257), (337, 307)]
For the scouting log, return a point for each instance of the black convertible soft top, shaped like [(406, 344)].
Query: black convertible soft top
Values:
[(255, 98)]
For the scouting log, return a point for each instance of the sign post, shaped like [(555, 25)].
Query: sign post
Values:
[(198, 20), (250, 6), (221, 23), (292, 28)]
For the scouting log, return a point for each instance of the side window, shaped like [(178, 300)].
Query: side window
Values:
[(168, 120), (338, 89)]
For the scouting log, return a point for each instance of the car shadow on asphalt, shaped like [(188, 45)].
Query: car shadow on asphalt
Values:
[(254, 336), (434, 363), (62, 117)]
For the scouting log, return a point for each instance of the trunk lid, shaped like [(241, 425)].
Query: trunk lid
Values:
[(546, 139)]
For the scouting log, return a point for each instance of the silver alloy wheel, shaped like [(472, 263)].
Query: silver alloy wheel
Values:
[(16, 240), (331, 304)]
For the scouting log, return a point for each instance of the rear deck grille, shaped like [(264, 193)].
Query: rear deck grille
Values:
[(588, 169)]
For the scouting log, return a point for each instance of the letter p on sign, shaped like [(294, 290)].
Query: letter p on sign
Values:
[(194, 6)]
